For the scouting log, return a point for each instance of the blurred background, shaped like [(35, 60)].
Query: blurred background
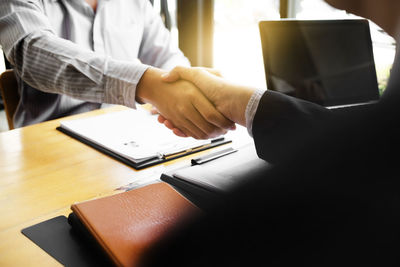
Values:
[(237, 45), (224, 34)]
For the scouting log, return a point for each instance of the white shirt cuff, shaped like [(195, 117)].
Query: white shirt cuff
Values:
[(251, 109), (122, 80)]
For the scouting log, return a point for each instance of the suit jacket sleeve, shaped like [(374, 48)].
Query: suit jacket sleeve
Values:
[(282, 123)]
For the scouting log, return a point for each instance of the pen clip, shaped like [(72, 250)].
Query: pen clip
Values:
[(213, 156)]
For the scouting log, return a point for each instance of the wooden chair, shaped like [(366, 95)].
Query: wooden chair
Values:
[(10, 94)]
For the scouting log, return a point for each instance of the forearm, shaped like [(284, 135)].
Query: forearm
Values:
[(54, 65)]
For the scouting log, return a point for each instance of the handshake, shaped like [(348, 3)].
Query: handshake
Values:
[(194, 102)]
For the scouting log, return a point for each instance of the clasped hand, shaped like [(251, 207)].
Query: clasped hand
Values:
[(182, 106), (228, 98)]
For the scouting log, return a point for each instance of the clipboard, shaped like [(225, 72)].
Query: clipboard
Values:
[(146, 163)]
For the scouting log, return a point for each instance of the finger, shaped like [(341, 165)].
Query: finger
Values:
[(187, 130), (154, 111), (179, 133), (171, 76), (181, 73), (161, 119), (201, 126), (172, 127), (207, 126), (187, 73), (169, 125), (192, 125), (211, 114), (213, 71), (184, 128)]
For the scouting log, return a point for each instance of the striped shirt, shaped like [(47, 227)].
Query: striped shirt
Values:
[(70, 59)]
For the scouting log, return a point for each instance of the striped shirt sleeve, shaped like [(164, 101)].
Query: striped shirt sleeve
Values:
[(54, 65)]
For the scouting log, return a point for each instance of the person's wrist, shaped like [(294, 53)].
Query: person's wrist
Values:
[(245, 98), (145, 91), (239, 104)]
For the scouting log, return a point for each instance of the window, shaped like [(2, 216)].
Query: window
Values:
[(237, 45)]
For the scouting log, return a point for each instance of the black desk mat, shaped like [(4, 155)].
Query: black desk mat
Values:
[(59, 240)]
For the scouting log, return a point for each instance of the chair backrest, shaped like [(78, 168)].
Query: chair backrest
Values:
[(10, 94)]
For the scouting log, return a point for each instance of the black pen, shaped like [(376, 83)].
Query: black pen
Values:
[(217, 139)]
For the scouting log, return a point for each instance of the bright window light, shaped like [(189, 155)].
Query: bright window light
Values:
[(237, 44)]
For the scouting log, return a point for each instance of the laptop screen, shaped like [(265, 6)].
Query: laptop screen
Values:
[(328, 62)]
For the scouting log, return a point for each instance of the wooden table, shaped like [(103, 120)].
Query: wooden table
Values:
[(42, 172)]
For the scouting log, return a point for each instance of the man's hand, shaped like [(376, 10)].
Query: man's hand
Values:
[(183, 105), (230, 99)]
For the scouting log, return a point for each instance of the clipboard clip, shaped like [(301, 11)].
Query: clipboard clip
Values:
[(184, 151), (213, 156)]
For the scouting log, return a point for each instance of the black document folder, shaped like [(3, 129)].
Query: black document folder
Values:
[(203, 183)]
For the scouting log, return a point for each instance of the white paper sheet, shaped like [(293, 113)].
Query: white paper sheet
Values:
[(134, 134)]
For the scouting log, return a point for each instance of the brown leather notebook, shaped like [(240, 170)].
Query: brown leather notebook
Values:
[(126, 224)]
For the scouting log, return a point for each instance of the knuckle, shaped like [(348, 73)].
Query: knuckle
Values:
[(219, 131), (178, 68), (186, 132), (190, 91), (226, 124), (181, 108), (214, 132), (203, 136), (199, 134), (210, 130), (211, 116), (195, 136)]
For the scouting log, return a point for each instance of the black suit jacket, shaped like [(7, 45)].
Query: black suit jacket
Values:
[(332, 197), (282, 123)]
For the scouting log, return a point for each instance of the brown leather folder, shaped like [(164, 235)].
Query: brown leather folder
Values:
[(126, 224)]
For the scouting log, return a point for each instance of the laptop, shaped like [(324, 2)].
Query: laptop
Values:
[(328, 62)]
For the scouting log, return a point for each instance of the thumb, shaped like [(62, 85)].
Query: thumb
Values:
[(177, 73), (213, 71), (170, 77)]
